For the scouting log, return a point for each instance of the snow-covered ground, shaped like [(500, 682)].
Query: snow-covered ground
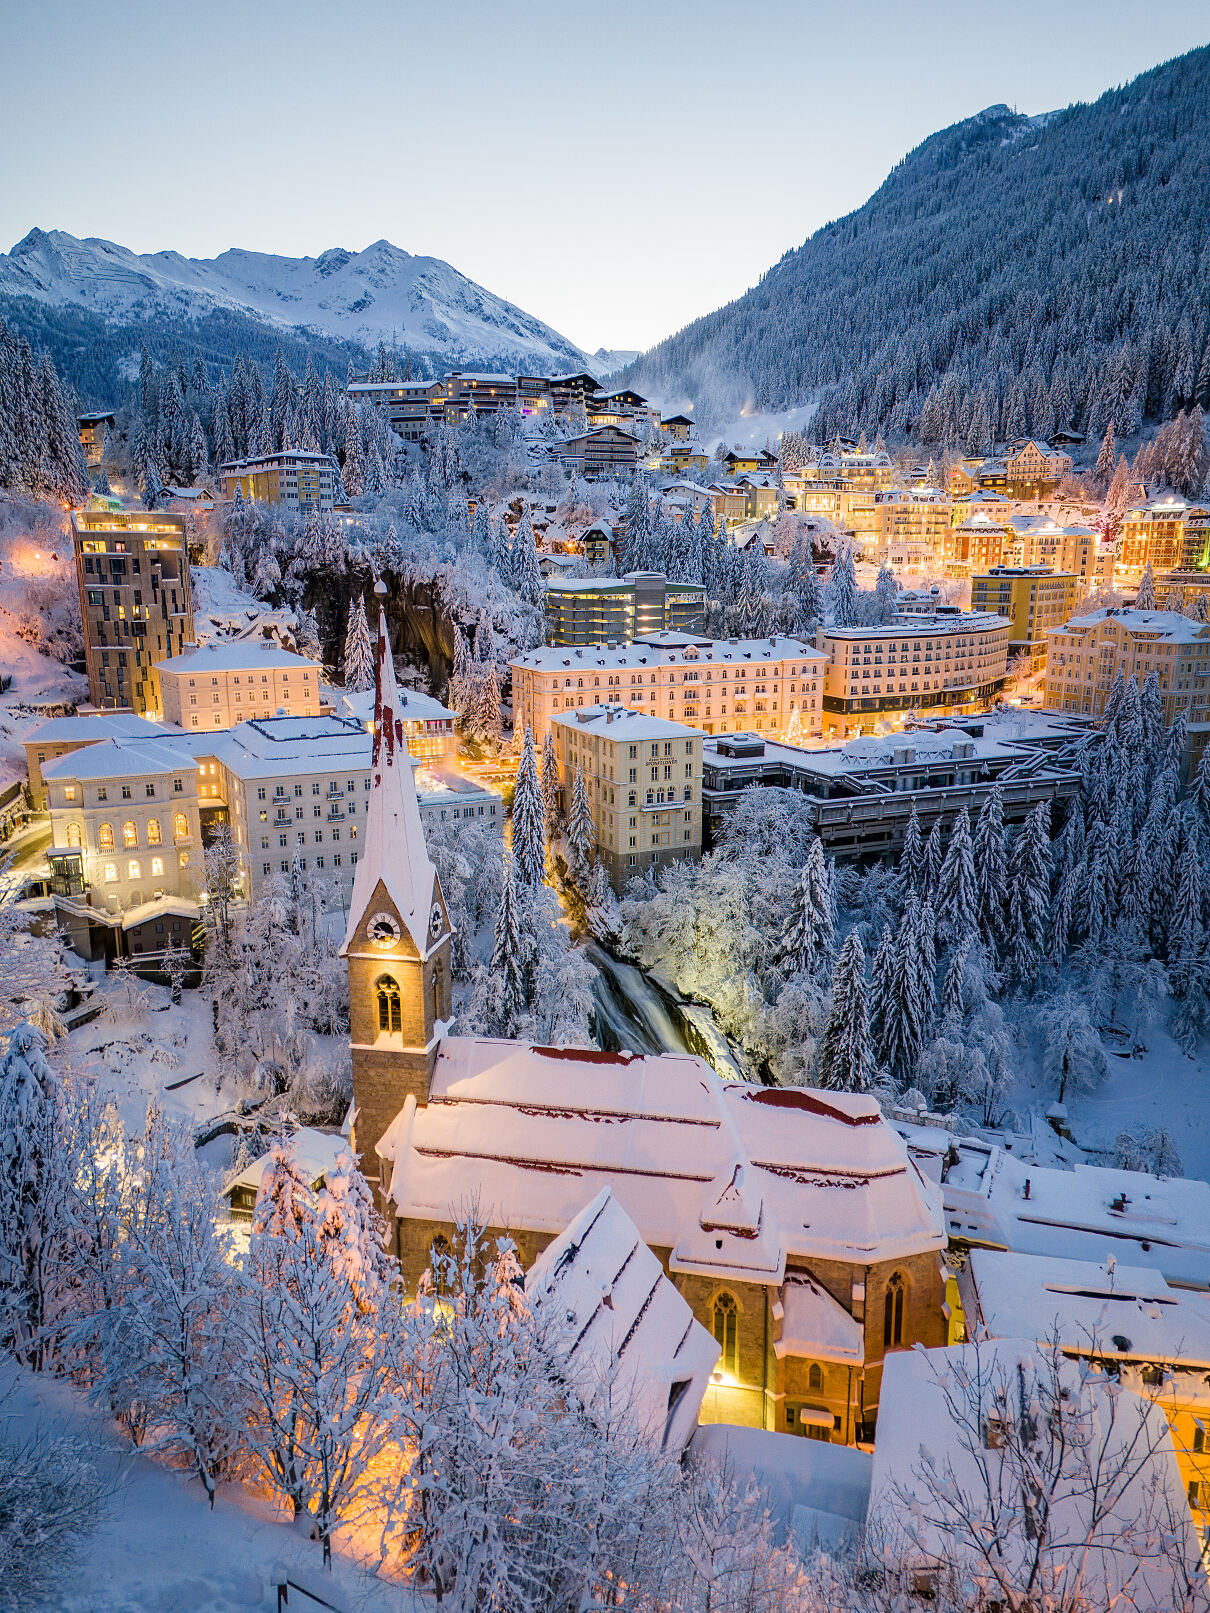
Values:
[(754, 430), (158, 1548)]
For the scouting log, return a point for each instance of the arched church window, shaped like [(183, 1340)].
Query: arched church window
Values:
[(390, 1014)]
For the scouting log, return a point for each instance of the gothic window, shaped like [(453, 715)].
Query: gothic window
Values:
[(892, 1312), (726, 1332), (105, 837), (815, 1376), (389, 1004)]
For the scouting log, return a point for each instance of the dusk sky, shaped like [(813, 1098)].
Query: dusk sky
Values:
[(578, 161)]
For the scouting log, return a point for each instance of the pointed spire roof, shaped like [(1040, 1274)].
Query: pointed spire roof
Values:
[(394, 850)]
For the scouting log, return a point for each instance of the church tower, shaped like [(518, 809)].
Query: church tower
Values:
[(397, 943)]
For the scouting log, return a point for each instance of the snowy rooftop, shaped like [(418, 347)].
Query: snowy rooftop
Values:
[(267, 747), (316, 1153), (1089, 1213), (414, 706), (621, 723), (965, 621), (625, 1335), (869, 752), (670, 649), (916, 1422), (733, 1179), (1160, 624), (817, 1493), (115, 758), (88, 729), (1128, 1311), (238, 655)]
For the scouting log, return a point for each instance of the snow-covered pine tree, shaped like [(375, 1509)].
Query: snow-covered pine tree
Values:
[(1029, 896), (1145, 599), (794, 729), (886, 591), (845, 1060), (991, 870), (508, 960), (528, 817), (550, 783), (911, 858), (903, 1005), (931, 861), (581, 830), (359, 652), (842, 588), (957, 894), (529, 573), (1107, 458), (33, 1194), (354, 1235), (807, 943)]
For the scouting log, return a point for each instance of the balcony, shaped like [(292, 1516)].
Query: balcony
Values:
[(283, 820), (336, 815)]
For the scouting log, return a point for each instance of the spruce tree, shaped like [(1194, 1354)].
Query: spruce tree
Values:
[(528, 571), (508, 963), (1107, 458), (957, 894), (550, 782), (581, 831), (911, 858), (1145, 599), (842, 588), (846, 1056), (529, 834), (359, 651), (808, 938), (991, 872), (1029, 895), (930, 866)]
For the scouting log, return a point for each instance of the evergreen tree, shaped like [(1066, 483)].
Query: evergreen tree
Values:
[(528, 571), (1145, 599), (991, 873), (845, 1061), (931, 861), (911, 858), (1029, 895), (529, 835), (808, 938), (581, 830), (359, 651), (508, 960), (1107, 458), (842, 588), (550, 782), (957, 892)]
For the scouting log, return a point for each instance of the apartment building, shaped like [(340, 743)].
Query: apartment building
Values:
[(615, 610), (683, 454), (606, 451), (976, 545), (621, 408), (429, 728), (60, 736), (125, 825), (1033, 469), (872, 471), (1033, 598), (136, 601), (945, 662), (722, 686), (749, 462), (913, 518), (410, 405), (217, 685), (996, 506), (1039, 541), (644, 780), (1169, 534), (93, 429), (1088, 652), (302, 483), (469, 392), (678, 426)]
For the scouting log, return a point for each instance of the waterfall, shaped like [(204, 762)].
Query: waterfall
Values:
[(638, 1014)]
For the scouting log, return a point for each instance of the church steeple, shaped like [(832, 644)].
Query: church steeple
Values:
[(397, 942)]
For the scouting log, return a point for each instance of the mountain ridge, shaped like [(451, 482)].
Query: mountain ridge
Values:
[(381, 294)]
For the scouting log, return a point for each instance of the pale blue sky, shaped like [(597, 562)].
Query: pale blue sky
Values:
[(615, 169)]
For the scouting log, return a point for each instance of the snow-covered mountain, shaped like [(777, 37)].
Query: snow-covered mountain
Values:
[(381, 294)]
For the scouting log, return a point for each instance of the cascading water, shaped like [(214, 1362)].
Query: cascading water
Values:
[(637, 1014)]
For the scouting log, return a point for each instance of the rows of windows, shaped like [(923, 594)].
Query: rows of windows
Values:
[(106, 840)]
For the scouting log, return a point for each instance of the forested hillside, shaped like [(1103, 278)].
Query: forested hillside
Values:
[(1013, 274)]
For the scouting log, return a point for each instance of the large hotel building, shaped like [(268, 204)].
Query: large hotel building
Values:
[(1088, 652), (136, 601), (615, 610), (721, 686)]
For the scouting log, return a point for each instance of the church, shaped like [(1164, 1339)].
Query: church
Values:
[(793, 1222)]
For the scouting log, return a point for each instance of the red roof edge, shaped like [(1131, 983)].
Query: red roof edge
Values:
[(586, 1055), (795, 1098)]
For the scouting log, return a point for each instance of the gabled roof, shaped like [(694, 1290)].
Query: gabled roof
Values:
[(732, 1179), (625, 1336), (394, 851)]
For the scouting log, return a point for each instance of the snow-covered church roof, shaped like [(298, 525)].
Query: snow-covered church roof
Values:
[(733, 1179), (625, 1336), (395, 853)]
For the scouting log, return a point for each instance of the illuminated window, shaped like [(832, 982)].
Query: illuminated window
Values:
[(111, 872), (157, 865), (726, 1332), (180, 826), (74, 837), (389, 1004), (132, 869), (105, 838), (130, 836), (153, 831), (892, 1312)]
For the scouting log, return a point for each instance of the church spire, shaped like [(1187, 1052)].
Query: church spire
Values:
[(394, 852)]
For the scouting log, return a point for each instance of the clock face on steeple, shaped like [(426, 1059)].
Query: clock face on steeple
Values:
[(436, 921), (383, 930)]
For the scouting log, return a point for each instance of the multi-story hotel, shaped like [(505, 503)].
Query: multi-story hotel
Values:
[(1033, 598), (59, 736), (1169, 534), (410, 405), (1030, 470), (849, 469), (218, 685), (976, 545), (615, 610), (129, 816), (946, 662), (1088, 652), (1038, 541), (303, 483), (607, 451), (644, 780), (721, 686), (136, 601), (913, 516)]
